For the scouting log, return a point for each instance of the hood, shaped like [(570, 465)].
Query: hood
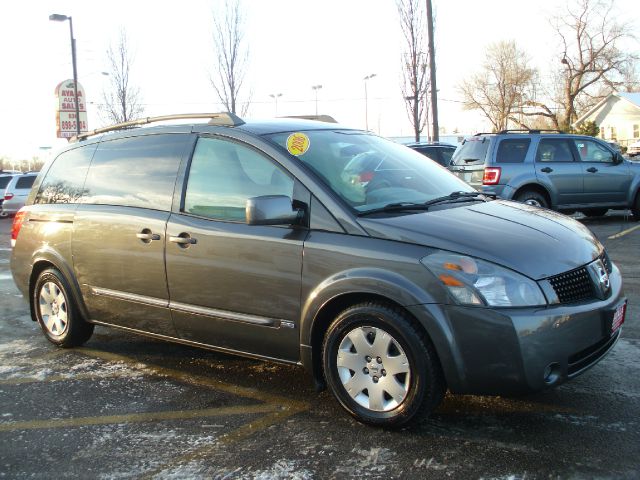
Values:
[(535, 242)]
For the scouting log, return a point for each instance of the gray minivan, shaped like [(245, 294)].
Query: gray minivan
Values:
[(253, 238)]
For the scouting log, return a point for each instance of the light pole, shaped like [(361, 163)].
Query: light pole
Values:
[(366, 101), (315, 88), (275, 96), (61, 18)]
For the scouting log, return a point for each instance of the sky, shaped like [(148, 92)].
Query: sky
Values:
[(293, 45)]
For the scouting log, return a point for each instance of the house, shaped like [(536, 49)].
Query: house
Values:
[(617, 116)]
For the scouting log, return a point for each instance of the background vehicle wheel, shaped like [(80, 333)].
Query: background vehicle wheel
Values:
[(381, 368), (56, 311), (531, 197), (595, 212)]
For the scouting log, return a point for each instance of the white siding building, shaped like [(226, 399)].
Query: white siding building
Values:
[(617, 117)]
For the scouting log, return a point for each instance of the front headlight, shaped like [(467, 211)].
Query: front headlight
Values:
[(472, 281)]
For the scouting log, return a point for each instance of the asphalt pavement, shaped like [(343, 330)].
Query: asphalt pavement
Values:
[(126, 406)]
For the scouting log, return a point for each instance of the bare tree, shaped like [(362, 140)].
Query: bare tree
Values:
[(231, 55), (590, 63), (503, 84), (122, 99), (415, 63)]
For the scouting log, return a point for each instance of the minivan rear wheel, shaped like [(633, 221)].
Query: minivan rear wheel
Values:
[(56, 311), (531, 197), (380, 368)]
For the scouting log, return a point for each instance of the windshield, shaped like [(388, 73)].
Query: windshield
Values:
[(472, 151), (368, 171)]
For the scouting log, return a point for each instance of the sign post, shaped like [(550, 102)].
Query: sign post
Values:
[(67, 120)]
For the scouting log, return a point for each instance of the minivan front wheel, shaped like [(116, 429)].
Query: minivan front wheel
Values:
[(379, 367), (56, 311), (531, 197)]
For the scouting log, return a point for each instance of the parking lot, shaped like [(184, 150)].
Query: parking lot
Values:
[(125, 406)]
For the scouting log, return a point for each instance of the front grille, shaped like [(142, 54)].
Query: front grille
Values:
[(573, 286), (607, 262)]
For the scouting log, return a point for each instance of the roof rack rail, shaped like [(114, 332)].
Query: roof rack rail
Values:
[(220, 118), (531, 130)]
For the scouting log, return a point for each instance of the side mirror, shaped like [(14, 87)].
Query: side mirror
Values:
[(271, 210), (618, 158)]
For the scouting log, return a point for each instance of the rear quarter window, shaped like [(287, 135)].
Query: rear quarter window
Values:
[(64, 181), (25, 182), (513, 150)]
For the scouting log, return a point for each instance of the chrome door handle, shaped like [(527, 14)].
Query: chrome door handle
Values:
[(148, 236), (183, 240)]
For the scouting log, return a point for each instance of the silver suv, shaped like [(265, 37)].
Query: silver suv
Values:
[(554, 170)]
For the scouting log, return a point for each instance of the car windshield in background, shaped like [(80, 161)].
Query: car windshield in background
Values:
[(472, 151), (367, 171)]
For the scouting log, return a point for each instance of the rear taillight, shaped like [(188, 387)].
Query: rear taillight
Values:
[(491, 176), (8, 196), (17, 225)]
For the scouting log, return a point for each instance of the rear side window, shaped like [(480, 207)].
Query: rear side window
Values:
[(554, 150), (25, 182), (64, 180), (223, 175), (135, 172), (473, 151), (513, 150)]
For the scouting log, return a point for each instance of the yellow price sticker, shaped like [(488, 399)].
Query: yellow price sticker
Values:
[(298, 143)]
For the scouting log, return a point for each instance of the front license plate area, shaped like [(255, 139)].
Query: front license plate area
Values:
[(618, 317), (613, 319)]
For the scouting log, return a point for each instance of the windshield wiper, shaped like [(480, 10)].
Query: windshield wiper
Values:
[(395, 207), (458, 196), (408, 206)]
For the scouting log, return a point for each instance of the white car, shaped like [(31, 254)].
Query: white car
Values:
[(5, 178), (633, 149), (17, 192)]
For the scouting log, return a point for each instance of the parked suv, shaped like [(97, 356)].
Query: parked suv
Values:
[(247, 238), (16, 192), (554, 170), (436, 151)]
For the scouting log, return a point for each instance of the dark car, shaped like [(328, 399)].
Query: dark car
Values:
[(560, 171), (436, 151), (252, 238)]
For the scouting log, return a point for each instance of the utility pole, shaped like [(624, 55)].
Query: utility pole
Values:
[(432, 68)]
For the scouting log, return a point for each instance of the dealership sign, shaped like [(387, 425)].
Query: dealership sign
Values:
[(66, 121)]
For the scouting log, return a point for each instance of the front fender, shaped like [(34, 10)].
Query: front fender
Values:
[(365, 281)]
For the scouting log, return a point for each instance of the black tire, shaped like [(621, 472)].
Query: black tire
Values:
[(419, 390), (595, 212), (56, 311), (531, 197)]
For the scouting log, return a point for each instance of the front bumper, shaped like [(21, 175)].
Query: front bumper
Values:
[(501, 351)]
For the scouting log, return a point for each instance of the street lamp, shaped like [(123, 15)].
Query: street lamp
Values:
[(315, 88), (275, 96), (366, 101), (61, 18)]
